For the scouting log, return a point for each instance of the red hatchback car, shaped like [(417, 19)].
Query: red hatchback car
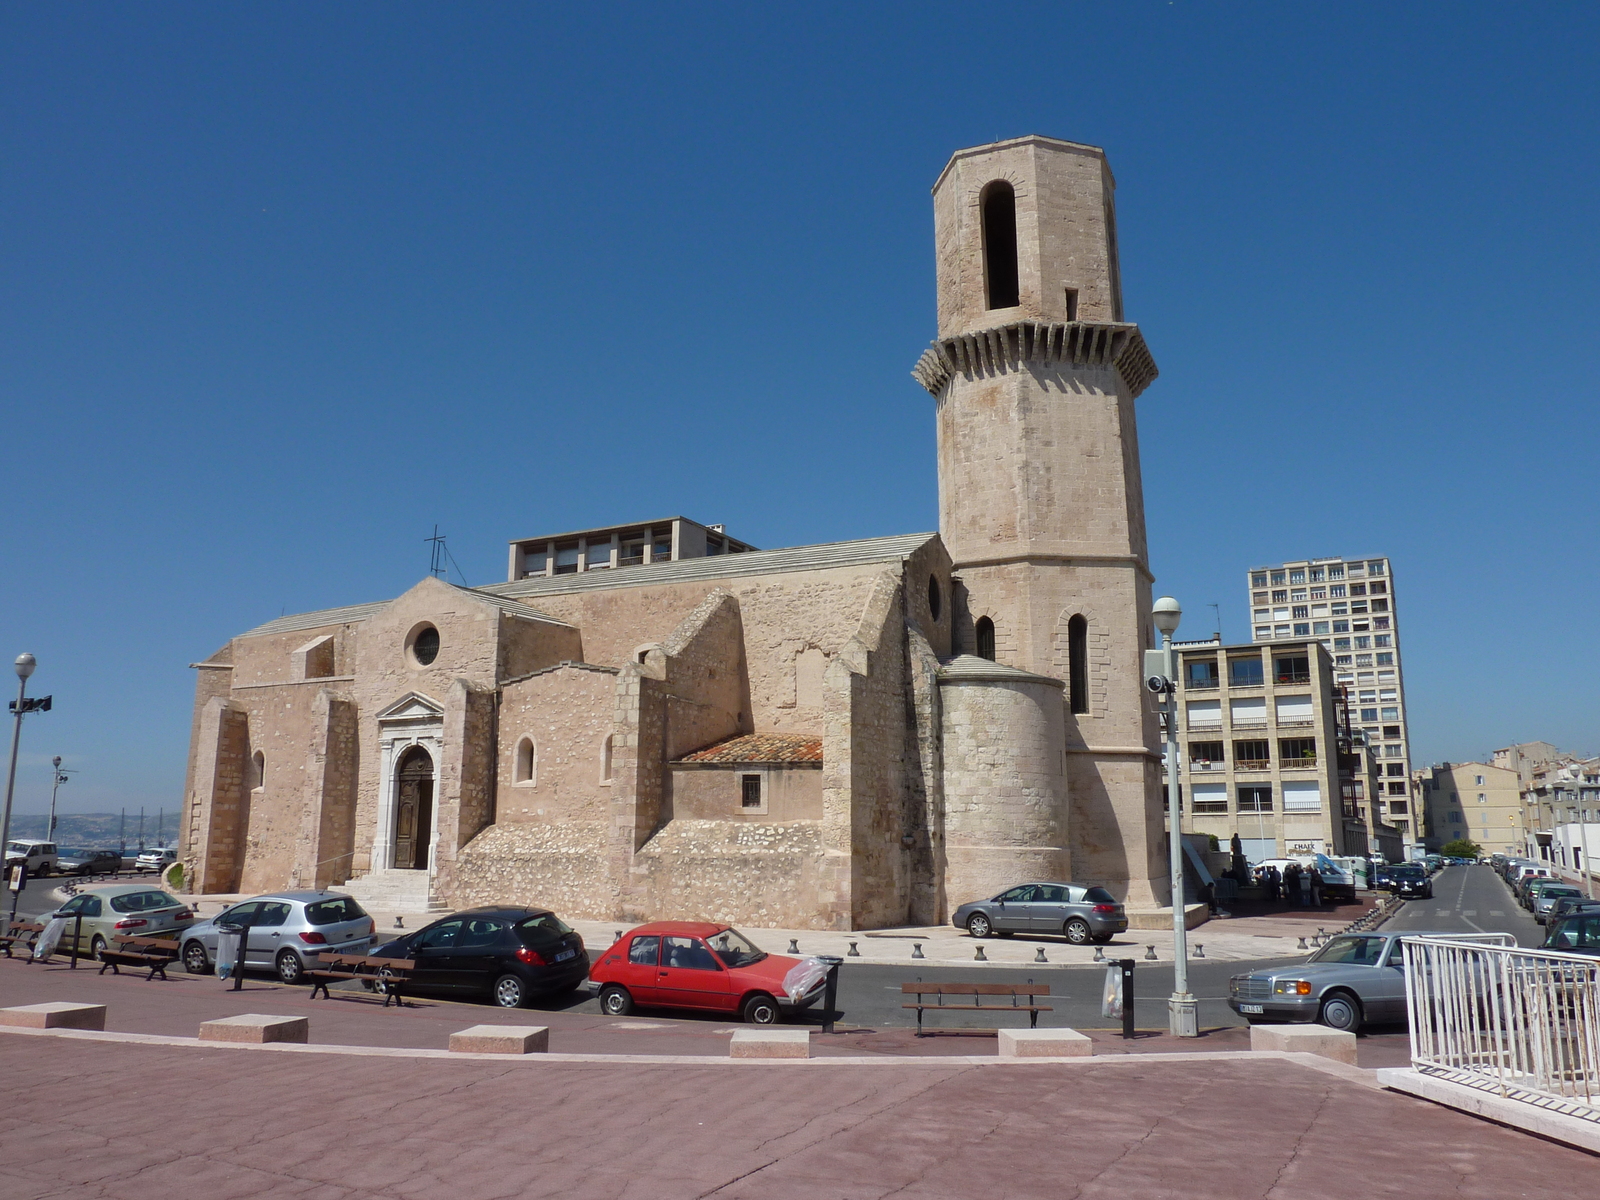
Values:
[(696, 964)]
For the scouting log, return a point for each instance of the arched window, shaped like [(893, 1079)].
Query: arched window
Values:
[(1078, 663), (605, 760), (258, 770), (527, 767), (999, 205), (935, 599), (983, 635)]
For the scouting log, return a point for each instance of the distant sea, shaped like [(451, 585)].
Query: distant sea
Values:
[(95, 831)]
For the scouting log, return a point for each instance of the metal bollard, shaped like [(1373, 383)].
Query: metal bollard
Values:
[(979, 956), (916, 950), (1099, 954), (854, 953), (794, 946), (1127, 997), (1149, 954), (1039, 957), (831, 992), (1199, 950), (399, 922), (1302, 945)]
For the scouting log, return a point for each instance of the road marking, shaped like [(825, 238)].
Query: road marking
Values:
[(1469, 912), (1495, 912)]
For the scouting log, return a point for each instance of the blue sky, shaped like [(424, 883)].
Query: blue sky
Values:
[(284, 286)]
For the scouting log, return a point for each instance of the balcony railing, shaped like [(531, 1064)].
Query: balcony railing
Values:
[(1293, 676), (1252, 764), (1201, 685), (1299, 764)]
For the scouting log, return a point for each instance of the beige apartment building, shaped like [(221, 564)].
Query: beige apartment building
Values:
[(1259, 748), (1349, 605), (1477, 801)]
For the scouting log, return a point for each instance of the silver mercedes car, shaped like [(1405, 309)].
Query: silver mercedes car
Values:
[(1354, 979)]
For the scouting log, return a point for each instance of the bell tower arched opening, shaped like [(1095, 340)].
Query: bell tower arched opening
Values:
[(999, 205)]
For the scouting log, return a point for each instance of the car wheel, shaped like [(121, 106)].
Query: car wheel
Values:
[(1077, 932), (97, 947), (978, 926), (760, 1009), (290, 968), (1341, 1011), (510, 992), (194, 959), (615, 1001)]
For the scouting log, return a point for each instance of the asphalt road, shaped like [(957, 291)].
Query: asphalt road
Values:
[(1469, 900)]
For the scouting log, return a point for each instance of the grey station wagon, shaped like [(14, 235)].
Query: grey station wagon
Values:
[(1070, 910)]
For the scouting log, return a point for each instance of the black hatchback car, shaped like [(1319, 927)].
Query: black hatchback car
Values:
[(1411, 882), (508, 953)]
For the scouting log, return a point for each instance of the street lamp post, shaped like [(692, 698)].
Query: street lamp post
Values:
[(58, 780), (1182, 1015), (24, 665)]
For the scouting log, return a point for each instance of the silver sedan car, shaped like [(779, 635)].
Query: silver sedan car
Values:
[(1070, 910), (1356, 978), (288, 930)]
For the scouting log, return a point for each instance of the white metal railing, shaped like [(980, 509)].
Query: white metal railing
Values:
[(1522, 1023)]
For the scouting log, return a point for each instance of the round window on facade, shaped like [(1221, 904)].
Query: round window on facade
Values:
[(935, 599), (424, 644)]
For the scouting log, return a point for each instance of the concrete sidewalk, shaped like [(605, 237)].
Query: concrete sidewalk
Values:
[(129, 1122)]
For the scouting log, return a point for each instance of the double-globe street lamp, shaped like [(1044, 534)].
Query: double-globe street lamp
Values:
[(1161, 677)]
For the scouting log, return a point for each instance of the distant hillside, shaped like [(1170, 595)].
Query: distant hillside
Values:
[(98, 831)]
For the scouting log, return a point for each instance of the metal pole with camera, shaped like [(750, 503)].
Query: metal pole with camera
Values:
[(1160, 677), (20, 707)]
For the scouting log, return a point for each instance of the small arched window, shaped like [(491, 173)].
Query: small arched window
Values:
[(258, 771), (605, 760), (983, 635), (527, 766), (935, 598), (999, 205), (1078, 663)]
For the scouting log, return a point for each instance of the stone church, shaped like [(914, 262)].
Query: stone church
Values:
[(658, 720)]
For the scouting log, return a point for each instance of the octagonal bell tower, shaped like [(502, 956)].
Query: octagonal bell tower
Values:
[(1035, 374)]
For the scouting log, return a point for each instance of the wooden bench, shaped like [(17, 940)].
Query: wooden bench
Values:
[(153, 952), (387, 975), (1006, 1000), (23, 932)]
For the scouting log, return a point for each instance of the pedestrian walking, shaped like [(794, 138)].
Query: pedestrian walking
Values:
[(1305, 888), (1316, 887), (1291, 883), (1274, 883)]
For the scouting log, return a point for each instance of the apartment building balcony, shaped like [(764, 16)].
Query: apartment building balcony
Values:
[(1253, 764)]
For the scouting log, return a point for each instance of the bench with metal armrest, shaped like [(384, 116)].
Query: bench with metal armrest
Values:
[(387, 975), (1001, 993), (153, 952), (21, 934)]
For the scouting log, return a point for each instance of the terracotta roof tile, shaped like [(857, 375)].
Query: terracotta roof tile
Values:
[(761, 748)]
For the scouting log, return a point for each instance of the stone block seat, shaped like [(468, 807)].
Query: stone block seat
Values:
[(1044, 1043), (1305, 1039), (501, 1039), (770, 1043), (256, 1029), (54, 1014)]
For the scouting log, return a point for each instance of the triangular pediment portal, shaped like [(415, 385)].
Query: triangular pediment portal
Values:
[(413, 706)]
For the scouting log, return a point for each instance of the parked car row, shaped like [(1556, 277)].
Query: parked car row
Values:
[(510, 954), (47, 858)]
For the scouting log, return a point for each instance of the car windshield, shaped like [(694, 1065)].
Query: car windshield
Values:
[(1405, 872), (331, 912), (734, 949), (18, 847), (1363, 951), (135, 902)]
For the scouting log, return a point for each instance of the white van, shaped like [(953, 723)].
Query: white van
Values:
[(41, 857), (1338, 883)]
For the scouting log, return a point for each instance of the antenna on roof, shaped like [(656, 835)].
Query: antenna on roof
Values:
[(1216, 608), (437, 560), (442, 560)]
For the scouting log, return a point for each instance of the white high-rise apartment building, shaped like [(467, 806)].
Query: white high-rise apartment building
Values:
[(1349, 604)]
